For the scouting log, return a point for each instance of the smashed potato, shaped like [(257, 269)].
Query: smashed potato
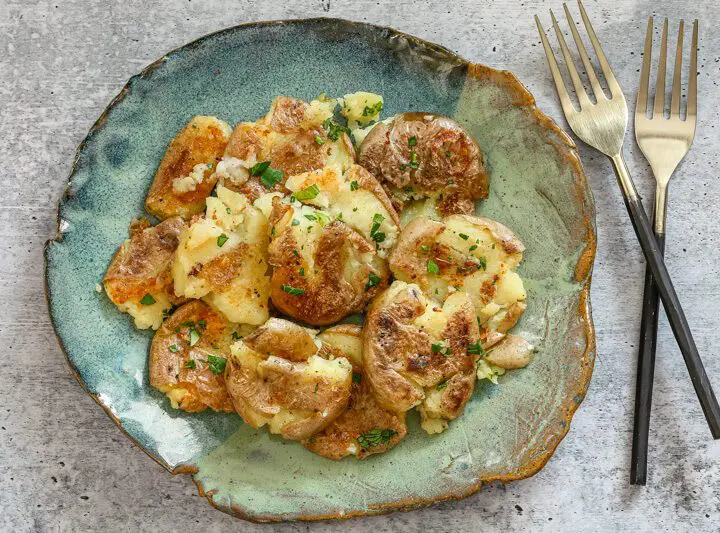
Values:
[(277, 376), (422, 155), (294, 137), (138, 280), (222, 257), (188, 356), (364, 428), (186, 175), (420, 353), (465, 253)]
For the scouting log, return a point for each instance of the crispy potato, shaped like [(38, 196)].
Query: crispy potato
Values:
[(291, 137), (353, 196), (222, 257), (471, 254), (510, 353), (323, 270), (297, 395), (364, 428), (186, 174), (188, 356), (416, 353), (138, 279), (420, 155)]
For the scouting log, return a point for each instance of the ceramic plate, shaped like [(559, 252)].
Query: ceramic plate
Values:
[(538, 189)]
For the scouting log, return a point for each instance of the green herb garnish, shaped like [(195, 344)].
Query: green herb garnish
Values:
[(412, 141), (473, 247), (271, 177), (442, 385), (190, 363), (475, 348), (375, 437), (222, 239), (356, 378), (148, 299), (373, 280), (258, 168), (424, 248), (377, 236), (482, 263), (371, 110), (173, 348), (463, 236), (193, 336), (292, 291), (216, 364), (308, 193), (319, 140), (354, 185), (295, 222), (432, 267)]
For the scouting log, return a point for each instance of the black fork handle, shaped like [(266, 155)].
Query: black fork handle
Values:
[(645, 373), (673, 309)]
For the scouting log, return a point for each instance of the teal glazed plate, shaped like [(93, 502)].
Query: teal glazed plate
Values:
[(537, 188)]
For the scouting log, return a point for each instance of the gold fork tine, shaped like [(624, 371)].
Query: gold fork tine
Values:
[(570, 63), (692, 80), (595, 84), (613, 85), (659, 105), (677, 73), (565, 101), (642, 97)]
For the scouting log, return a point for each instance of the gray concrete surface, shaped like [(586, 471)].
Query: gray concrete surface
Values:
[(65, 467)]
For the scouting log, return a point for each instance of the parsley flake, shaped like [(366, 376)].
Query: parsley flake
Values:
[(222, 239), (190, 363), (354, 185), (475, 348), (308, 193), (412, 141), (432, 267), (463, 236), (292, 291), (193, 336), (173, 348), (148, 299), (375, 437), (319, 140), (442, 385), (373, 281), (216, 364), (258, 168)]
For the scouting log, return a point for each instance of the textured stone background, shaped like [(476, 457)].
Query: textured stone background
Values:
[(65, 467)]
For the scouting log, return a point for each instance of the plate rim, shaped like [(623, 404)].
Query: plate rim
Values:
[(583, 271)]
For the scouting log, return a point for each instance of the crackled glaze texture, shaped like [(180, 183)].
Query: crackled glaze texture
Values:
[(537, 188)]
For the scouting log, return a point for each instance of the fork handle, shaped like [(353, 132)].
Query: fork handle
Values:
[(651, 248), (645, 373)]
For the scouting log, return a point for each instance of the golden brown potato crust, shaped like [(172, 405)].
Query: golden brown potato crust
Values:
[(282, 138), (442, 160), (400, 361), (201, 141), (363, 414), (142, 265), (330, 289), (263, 385), (171, 355)]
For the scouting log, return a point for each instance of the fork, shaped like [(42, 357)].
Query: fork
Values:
[(664, 142), (602, 125)]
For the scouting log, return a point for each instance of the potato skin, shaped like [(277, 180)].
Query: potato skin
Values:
[(283, 138), (264, 386), (142, 266), (363, 414), (450, 162), (400, 362), (167, 367), (328, 295), (202, 140)]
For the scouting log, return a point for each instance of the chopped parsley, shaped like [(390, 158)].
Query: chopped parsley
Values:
[(424, 248), (292, 291), (414, 163), (190, 363), (377, 236), (371, 110), (258, 168), (236, 336), (464, 236), (319, 140), (271, 177), (296, 253), (193, 336), (228, 210), (302, 271), (439, 347), (375, 437), (310, 217), (173, 348), (475, 348), (148, 299), (308, 193), (356, 378), (451, 182), (482, 263), (216, 364), (412, 141), (442, 385), (322, 218), (202, 324), (432, 267), (222, 239), (354, 185), (373, 280), (334, 130), (473, 247), (448, 153)]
